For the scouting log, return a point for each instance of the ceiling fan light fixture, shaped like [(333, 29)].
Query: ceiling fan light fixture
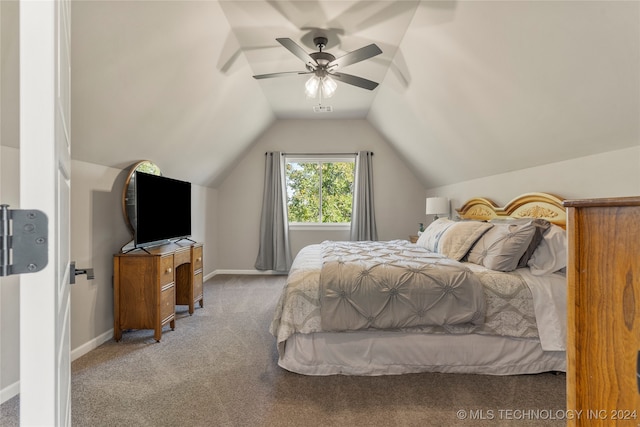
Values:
[(322, 64), (325, 85), (311, 86), (328, 86)]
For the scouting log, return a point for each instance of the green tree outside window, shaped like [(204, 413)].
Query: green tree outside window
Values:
[(320, 191)]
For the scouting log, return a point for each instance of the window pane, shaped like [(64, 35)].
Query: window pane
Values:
[(303, 191), (320, 191), (337, 187)]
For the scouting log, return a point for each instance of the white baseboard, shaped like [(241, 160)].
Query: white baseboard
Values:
[(246, 272), (14, 389), (9, 391), (90, 345)]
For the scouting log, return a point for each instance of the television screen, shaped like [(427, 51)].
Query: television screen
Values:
[(163, 209)]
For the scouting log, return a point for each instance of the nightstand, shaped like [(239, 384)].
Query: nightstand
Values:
[(413, 239)]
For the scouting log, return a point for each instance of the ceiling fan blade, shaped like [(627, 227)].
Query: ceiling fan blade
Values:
[(294, 48), (355, 80), (356, 56), (282, 74)]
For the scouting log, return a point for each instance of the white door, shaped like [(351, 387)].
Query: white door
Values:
[(45, 366)]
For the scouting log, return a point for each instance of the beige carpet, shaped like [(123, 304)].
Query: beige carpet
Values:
[(218, 368)]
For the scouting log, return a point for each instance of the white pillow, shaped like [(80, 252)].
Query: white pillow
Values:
[(430, 237), (551, 254)]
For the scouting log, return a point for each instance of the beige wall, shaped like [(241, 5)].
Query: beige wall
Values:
[(611, 174), (398, 194), (10, 285), (9, 193), (97, 232)]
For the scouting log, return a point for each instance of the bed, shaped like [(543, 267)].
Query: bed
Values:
[(482, 294)]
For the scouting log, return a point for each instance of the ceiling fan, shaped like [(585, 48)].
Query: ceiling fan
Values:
[(323, 65)]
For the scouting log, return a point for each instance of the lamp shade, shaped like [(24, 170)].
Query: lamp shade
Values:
[(437, 206)]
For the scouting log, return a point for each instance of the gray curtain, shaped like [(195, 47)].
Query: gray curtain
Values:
[(363, 218), (275, 251)]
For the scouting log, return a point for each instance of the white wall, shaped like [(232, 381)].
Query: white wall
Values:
[(610, 174), (398, 194)]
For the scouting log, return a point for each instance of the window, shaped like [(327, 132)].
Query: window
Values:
[(319, 190)]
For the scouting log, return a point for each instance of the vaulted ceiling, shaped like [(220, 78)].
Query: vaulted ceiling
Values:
[(467, 88)]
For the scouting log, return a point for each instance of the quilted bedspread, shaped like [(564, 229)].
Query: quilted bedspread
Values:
[(394, 284), (509, 304)]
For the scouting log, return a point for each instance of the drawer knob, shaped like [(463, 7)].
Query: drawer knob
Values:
[(199, 259), (169, 270)]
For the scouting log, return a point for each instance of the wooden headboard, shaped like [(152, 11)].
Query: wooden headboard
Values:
[(529, 205)]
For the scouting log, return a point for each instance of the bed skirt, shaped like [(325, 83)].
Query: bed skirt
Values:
[(393, 353)]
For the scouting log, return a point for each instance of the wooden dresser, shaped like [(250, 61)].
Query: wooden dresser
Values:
[(603, 311), (149, 283)]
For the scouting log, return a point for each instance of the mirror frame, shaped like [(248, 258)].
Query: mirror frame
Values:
[(129, 192)]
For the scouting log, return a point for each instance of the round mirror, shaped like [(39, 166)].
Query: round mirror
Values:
[(129, 191)]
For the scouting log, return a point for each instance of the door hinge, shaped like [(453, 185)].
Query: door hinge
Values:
[(24, 247)]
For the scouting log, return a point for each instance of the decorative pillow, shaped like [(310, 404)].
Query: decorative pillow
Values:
[(541, 225), (456, 240), (430, 237), (502, 247), (551, 254)]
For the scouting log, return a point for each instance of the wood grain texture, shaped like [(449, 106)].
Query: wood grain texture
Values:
[(148, 285), (603, 317), (188, 290)]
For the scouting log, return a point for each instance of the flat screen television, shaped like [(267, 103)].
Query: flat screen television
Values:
[(162, 209)]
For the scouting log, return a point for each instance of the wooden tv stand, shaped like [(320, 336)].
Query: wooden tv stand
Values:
[(149, 283)]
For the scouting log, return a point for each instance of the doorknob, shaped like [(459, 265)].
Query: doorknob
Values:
[(77, 271)]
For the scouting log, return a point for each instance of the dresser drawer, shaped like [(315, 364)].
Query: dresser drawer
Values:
[(167, 303), (182, 257), (197, 258), (166, 270), (197, 286)]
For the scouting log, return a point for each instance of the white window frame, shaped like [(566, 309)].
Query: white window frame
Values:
[(319, 158)]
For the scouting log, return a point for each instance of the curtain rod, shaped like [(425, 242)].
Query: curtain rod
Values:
[(317, 154)]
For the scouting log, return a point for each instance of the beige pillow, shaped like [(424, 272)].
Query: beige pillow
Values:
[(502, 247), (460, 236)]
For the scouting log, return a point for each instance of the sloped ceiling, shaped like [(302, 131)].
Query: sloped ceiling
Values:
[(467, 88)]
